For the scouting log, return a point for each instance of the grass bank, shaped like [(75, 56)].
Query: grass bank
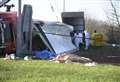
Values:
[(46, 71)]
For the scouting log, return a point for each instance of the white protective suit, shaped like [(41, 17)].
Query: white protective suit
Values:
[(87, 39), (78, 39)]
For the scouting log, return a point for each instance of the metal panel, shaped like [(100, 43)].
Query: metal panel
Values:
[(37, 26), (76, 19), (24, 31), (59, 37), (73, 14)]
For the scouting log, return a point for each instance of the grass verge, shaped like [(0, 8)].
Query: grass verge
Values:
[(46, 71)]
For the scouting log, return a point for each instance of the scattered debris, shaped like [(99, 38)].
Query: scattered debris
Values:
[(69, 58), (12, 56), (91, 64), (114, 45), (9, 56), (26, 58)]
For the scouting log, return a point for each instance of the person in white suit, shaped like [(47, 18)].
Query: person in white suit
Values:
[(78, 39), (87, 39)]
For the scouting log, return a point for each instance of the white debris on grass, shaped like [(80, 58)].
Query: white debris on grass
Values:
[(26, 58), (7, 57), (114, 45), (57, 61), (90, 64), (12, 56), (68, 61)]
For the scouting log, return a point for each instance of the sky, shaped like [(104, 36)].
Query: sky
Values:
[(42, 9)]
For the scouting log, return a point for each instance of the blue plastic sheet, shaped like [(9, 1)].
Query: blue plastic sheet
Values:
[(45, 54)]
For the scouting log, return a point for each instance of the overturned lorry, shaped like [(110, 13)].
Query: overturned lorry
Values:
[(53, 36), (33, 35)]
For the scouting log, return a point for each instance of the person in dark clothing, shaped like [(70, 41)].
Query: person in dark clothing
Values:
[(72, 34)]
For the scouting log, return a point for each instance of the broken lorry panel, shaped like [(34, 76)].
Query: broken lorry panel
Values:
[(76, 19), (55, 36)]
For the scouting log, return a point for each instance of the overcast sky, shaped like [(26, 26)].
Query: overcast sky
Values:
[(43, 11)]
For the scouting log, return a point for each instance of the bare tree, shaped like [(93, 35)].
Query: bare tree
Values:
[(115, 11), (114, 16), (114, 22)]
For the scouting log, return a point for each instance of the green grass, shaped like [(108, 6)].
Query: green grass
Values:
[(46, 71)]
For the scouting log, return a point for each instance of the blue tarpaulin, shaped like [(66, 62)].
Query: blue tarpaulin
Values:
[(45, 54)]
